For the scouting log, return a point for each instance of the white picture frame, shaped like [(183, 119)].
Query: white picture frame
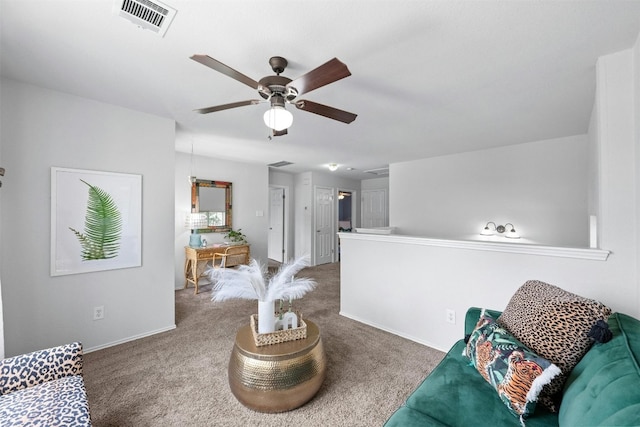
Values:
[(75, 247)]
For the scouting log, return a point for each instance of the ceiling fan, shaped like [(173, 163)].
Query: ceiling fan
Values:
[(280, 90)]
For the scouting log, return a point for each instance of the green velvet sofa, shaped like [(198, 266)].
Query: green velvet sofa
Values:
[(602, 390)]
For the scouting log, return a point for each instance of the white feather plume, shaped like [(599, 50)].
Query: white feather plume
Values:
[(290, 269), (247, 282), (283, 285), (294, 289)]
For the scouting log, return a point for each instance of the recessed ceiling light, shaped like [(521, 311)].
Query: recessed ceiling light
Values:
[(333, 166)]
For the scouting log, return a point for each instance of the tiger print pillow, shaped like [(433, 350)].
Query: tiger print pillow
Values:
[(516, 373), (555, 324)]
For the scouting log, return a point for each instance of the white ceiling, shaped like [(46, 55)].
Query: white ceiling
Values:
[(428, 78)]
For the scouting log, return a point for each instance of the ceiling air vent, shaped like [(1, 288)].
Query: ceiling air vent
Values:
[(379, 171), (280, 164), (149, 15)]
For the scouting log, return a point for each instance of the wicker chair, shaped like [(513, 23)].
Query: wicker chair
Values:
[(231, 257)]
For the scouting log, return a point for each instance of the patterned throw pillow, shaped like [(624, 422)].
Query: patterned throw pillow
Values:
[(517, 373), (555, 324)]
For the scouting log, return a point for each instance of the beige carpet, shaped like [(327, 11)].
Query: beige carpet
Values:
[(179, 378)]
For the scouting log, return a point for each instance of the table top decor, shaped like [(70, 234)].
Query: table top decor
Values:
[(252, 282)]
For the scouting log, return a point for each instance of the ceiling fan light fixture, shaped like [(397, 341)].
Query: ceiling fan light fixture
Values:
[(279, 90), (278, 118)]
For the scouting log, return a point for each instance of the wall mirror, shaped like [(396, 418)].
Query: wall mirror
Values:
[(213, 199)]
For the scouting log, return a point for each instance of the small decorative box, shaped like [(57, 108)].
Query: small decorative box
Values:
[(276, 337)]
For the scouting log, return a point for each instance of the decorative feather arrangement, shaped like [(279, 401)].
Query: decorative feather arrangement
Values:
[(248, 282)]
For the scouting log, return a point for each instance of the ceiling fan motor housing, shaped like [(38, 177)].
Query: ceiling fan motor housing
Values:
[(277, 100), (277, 85)]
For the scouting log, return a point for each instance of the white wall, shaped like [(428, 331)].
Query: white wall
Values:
[(1, 321), (250, 197), (1, 313), (303, 214), (636, 79), (540, 187), (593, 170), (618, 165), (408, 290), (41, 129)]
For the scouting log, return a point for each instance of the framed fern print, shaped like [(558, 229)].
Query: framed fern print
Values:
[(96, 221)]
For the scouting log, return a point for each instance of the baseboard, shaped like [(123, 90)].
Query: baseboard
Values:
[(132, 338), (392, 331)]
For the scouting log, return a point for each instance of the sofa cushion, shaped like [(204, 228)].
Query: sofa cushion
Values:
[(514, 371), (31, 369), (604, 388), (61, 402), (555, 324), (455, 394), (409, 417)]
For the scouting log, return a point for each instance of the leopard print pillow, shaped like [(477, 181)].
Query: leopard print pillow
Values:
[(555, 324)]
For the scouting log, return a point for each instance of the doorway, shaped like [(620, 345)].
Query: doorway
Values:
[(324, 220), (345, 210), (346, 214), (277, 237)]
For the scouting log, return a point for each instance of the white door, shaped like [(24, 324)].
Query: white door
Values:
[(374, 208), (324, 225), (275, 246)]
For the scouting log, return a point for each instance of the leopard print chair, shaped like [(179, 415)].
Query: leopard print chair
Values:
[(44, 388)]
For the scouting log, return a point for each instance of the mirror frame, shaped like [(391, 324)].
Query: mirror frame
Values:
[(195, 203)]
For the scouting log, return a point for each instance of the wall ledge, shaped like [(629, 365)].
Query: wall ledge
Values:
[(514, 248)]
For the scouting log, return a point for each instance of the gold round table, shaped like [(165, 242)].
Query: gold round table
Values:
[(277, 377)]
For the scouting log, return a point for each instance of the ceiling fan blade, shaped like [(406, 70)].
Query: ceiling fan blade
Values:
[(226, 106), (326, 111), (225, 69), (279, 132), (328, 72)]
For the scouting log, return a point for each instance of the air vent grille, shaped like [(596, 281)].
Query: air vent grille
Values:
[(379, 171), (280, 164), (150, 15)]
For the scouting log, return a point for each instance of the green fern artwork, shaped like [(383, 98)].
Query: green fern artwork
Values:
[(102, 226)]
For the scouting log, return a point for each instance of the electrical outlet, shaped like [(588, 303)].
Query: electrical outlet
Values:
[(451, 316), (98, 312)]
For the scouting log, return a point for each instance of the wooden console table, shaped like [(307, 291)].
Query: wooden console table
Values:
[(196, 261)]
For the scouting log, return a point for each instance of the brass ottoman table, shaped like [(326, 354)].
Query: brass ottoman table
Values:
[(278, 377)]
